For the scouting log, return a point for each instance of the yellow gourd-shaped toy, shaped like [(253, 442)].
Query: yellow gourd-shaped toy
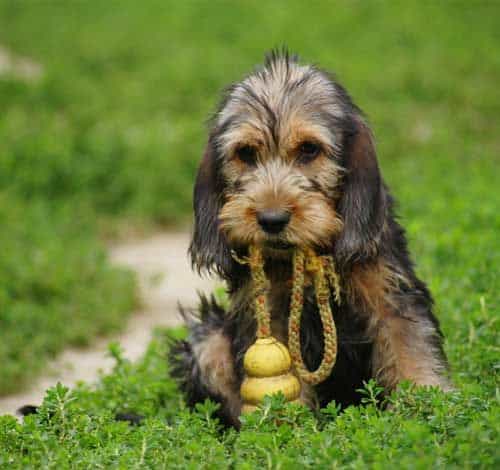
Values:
[(268, 363)]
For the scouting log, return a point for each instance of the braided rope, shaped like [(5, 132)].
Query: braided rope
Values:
[(325, 277), (260, 289), (314, 264), (333, 277)]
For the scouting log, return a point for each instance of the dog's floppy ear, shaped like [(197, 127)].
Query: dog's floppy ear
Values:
[(208, 248), (362, 205)]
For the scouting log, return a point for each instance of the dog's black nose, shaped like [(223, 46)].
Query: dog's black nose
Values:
[(273, 221)]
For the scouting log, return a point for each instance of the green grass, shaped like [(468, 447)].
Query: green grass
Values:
[(76, 429), (111, 136), (57, 288)]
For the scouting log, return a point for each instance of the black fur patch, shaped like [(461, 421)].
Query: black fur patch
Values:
[(27, 410)]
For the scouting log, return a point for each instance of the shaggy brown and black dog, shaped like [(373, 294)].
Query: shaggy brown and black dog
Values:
[(291, 162)]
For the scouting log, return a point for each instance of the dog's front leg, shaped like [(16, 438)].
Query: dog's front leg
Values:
[(407, 342), (408, 348), (204, 367)]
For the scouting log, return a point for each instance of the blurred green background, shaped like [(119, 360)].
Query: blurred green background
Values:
[(108, 137)]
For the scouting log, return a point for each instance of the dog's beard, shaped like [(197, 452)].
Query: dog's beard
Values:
[(313, 221), (277, 249), (241, 228), (314, 227)]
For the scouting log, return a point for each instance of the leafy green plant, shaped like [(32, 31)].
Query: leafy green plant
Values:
[(76, 428), (57, 288)]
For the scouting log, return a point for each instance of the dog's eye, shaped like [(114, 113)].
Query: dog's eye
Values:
[(308, 151), (247, 154)]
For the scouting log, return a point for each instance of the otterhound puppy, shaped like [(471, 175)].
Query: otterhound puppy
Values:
[(291, 162)]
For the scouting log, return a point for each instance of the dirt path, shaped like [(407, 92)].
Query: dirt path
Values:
[(165, 278), (21, 68)]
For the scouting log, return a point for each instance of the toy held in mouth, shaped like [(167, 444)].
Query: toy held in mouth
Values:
[(269, 365)]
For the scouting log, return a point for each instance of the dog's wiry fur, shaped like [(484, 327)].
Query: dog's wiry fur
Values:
[(338, 205)]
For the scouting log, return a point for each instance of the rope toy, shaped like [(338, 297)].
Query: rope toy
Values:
[(268, 362)]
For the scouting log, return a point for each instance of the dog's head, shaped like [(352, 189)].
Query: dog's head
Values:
[(290, 162)]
